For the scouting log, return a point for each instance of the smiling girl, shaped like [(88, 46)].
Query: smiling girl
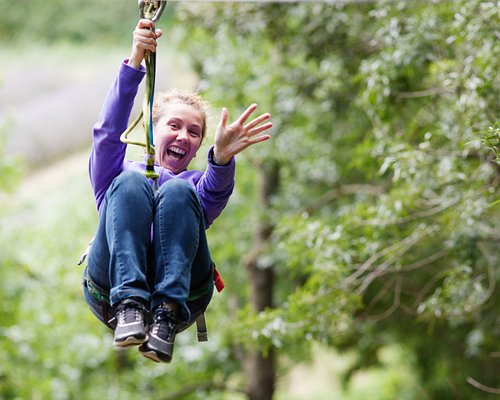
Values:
[(149, 271)]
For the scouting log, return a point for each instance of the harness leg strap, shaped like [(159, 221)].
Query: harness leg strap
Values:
[(201, 327)]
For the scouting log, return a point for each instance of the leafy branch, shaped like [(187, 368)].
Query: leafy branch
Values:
[(491, 140)]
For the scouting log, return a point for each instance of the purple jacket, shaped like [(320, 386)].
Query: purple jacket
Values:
[(107, 157)]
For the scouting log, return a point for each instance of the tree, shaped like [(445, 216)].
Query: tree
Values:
[(370, 220), (378, 228)]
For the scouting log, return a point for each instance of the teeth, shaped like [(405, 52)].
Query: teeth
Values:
[(177, 150)]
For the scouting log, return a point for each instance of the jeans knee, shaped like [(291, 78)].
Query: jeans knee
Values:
[(129, 182), (178, 194), (177, 191)]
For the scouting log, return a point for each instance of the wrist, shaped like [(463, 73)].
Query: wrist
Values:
[(134, 62), (217, 159)]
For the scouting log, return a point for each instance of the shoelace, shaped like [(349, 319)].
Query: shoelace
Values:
[(129, 314), (164, 324)]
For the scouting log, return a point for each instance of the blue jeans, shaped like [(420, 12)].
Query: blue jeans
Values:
[(151, 246)]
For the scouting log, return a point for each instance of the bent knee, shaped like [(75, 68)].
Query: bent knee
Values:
[(177, 189), (177, 186), (132, 177), (130, 181)]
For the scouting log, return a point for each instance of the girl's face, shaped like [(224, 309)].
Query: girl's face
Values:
[(178, 136)]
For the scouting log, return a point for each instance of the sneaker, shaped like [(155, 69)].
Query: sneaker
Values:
[(160, 344), (131, 326)]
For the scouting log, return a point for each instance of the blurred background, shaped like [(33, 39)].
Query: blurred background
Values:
[(360, 248)]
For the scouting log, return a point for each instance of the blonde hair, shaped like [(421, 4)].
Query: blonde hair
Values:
[(193, 99)]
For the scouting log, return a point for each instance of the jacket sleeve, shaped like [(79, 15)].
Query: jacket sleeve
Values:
[(108, 152), (215, 187)]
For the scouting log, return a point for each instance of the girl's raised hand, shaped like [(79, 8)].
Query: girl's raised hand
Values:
[(236, 137)]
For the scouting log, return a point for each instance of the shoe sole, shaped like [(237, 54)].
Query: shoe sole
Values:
[(129, 341), (153, 355)]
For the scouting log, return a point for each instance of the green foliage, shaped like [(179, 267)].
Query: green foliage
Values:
[(69, 21), (491, 139), (11, 167), (384, 218)]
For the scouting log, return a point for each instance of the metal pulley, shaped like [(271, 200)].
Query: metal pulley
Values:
[(151, 9)]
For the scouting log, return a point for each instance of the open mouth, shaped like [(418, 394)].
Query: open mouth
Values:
[(176, 152)]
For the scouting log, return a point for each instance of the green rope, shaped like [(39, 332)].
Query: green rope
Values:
[(151, 10)]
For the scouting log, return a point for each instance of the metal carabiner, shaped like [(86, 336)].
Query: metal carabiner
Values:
[(151, 9)]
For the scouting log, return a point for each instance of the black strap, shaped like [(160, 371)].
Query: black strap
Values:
[(201, 327), (195, 294)]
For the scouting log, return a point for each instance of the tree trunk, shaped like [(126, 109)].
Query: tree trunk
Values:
[(260, 368)]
